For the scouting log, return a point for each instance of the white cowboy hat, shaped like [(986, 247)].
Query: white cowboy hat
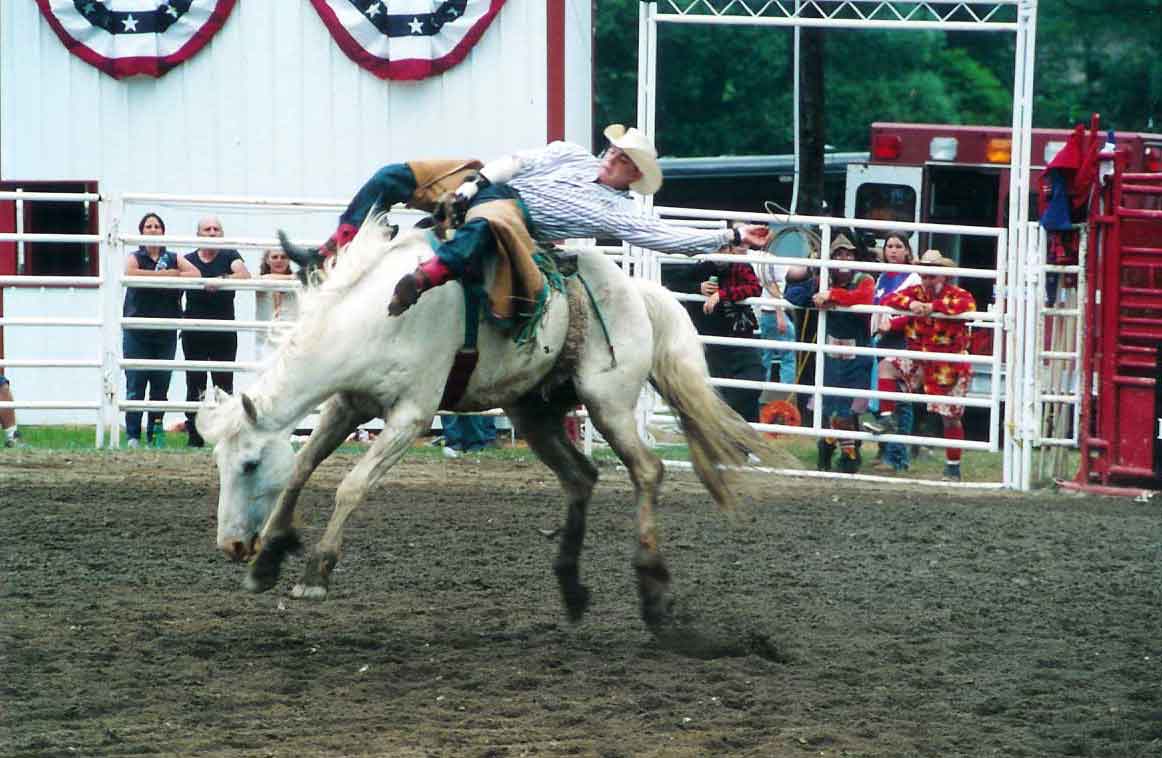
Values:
[(640, 150), (936, 258)]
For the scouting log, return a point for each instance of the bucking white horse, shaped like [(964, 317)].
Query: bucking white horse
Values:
[(346, 351)]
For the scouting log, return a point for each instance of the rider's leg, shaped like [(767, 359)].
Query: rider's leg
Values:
[(394, 183), (472, 244)]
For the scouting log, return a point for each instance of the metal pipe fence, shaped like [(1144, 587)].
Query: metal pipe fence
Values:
[(1016, 284)]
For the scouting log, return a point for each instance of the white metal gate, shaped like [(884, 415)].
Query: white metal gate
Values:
[(1017, 303), (1019, 364)]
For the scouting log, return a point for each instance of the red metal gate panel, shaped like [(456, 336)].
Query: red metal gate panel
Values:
[(1122, 401)]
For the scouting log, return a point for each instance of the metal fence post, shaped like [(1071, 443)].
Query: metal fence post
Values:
[(110, 316)]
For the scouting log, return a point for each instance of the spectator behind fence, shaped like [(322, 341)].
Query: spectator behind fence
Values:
[(210, 303), (845, 370), (8, 416), (150, 344), (725, 285), (888, 333), (776, 323), (934, 294), (468, 434), (274, 305)]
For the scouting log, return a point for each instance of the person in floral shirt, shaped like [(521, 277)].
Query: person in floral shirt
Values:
[(927, 334)]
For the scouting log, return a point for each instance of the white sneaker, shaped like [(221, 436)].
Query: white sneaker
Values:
[(451, 452), (133, 443)]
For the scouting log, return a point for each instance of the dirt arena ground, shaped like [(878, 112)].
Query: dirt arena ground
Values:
[(821, 620)]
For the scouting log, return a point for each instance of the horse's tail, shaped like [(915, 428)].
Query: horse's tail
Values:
[(718, 438)]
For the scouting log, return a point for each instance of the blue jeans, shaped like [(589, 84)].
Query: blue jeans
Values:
[(140, 381), (469, 433), (769, 330), (896, 454), (394, 183)]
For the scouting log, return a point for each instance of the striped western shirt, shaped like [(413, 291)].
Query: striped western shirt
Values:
[(558, 184)]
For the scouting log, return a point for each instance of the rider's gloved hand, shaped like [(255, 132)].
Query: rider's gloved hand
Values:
[(453, 208)]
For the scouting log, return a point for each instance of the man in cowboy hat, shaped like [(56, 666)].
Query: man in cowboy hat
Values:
[(934, 294), (847, 370), (564, 191)]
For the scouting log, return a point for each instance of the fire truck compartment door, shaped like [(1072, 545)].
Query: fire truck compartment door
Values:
[(884, 193)]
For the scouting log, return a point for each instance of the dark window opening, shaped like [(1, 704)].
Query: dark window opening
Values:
[(970, 197), (885, 202), (43, 217)]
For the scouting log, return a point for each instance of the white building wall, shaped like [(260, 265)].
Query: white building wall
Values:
[(270, 107)]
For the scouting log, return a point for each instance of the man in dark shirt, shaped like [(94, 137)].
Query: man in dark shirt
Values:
[(210, 303), (844, 370)]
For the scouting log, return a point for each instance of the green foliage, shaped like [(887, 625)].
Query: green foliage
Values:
[(1106, 60), (728, 90)]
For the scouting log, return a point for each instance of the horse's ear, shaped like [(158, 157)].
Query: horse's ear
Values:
[(215, 396), (249, 409)]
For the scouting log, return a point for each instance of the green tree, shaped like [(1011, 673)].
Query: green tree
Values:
[(728, 90), (1105, 59)]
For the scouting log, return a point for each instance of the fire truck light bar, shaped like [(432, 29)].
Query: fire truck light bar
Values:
[(942, 149), (887, 147), (998, 150)]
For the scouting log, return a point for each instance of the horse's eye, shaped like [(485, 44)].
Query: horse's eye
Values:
[(249, 467)]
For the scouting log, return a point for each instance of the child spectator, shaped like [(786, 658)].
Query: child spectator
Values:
[(934, 294), (272, 305), (888, 332), (776, 324)]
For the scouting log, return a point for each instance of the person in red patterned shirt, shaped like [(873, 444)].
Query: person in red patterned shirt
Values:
[(934, 294)]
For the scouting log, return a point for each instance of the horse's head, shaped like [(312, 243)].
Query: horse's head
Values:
[(254, 465)]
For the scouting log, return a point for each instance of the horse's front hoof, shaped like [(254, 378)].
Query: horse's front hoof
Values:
[(267, 565), (258, 584), (308, 592)]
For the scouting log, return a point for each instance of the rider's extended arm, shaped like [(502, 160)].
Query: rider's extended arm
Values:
[(498, 171)]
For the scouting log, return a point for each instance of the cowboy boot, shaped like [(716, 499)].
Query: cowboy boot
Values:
[(431, 273), (314, 257), (826, 450)]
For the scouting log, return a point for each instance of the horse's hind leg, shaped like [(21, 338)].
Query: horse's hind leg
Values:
[(544, 430), (341, 415), (617, 424)]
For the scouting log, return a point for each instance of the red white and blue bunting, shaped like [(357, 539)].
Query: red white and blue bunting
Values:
[(135, 37), (407, 39)]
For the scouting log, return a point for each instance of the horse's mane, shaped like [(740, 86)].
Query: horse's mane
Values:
[(372, 246), (220, 416)]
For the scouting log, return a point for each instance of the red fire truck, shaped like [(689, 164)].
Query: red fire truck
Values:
[(960, 175)]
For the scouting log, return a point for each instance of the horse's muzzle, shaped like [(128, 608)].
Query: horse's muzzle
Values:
[(237, 550)]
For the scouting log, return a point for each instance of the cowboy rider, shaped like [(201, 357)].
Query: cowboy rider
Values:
[(564, 192)]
